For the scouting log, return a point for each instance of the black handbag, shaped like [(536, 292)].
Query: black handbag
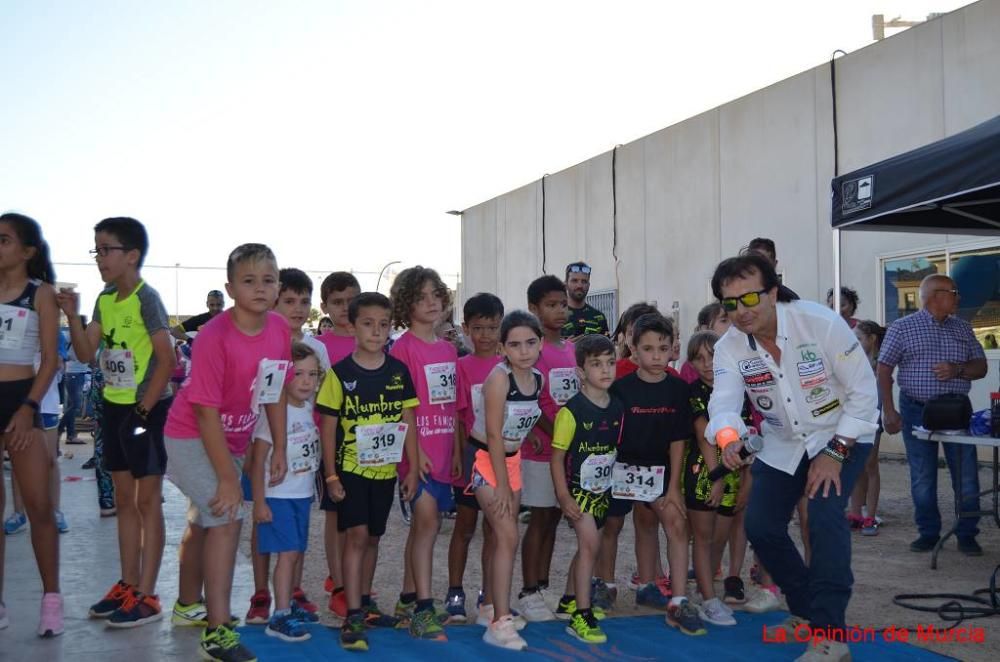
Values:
[(948, 412)]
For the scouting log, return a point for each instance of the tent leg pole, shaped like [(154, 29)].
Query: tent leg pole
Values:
[(836, 271)]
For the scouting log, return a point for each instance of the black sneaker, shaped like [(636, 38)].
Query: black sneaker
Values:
[(969, 547), (735, 591), (925, 543), (223, 644), (353, 636)]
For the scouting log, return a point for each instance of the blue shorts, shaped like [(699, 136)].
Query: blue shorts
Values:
[(440, 491), (50, 421), (247, 489), (288, 530)]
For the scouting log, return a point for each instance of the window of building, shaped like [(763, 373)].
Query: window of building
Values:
[(976, 272)]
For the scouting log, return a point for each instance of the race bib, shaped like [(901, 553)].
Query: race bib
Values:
[(478, 407), (118, 366), (595, 473), (563, 384), (13, 326), (519, 418), (380, 444), (268, 383), (440, 382), (637, 483), (303, 452)]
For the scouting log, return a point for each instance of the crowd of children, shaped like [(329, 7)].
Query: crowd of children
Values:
[(585, 429)]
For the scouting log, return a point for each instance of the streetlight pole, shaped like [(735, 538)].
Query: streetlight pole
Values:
[(379, 281)]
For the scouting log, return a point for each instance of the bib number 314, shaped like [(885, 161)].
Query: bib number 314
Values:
[(269, 382), (636, 483)]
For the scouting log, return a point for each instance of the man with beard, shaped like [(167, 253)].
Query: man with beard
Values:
[(583, 318)]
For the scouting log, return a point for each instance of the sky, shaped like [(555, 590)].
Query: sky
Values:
[(341, 132)]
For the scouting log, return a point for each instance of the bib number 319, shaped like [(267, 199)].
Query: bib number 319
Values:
[(380, 444)]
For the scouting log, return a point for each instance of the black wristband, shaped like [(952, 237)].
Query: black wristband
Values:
[(31, 403)]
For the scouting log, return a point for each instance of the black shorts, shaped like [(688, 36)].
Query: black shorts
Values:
[(325, 502), (464, 496), (134, 445), (622, 507), (594, 504), (12, 395), (697, 487), (366, 502)]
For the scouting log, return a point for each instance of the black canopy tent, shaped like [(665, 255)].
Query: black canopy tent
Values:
[(951, 186)]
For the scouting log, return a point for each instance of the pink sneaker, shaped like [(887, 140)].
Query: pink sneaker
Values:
[(50, 623)]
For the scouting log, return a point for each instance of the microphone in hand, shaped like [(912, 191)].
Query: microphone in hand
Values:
[(752, 444)]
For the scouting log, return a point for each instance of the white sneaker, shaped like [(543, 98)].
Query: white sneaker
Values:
[(534, 609), (714, 612), (503, 634), (485, 617), (762, 601), (826, 651)]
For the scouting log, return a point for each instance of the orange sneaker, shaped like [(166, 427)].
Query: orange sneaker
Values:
[(338, 603)]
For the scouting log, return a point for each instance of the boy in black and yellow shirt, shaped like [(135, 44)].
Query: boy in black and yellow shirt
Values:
[(367, 422), (584, 444)]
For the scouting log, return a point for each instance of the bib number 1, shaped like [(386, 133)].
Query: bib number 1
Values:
[(13, 325), (269, 382)]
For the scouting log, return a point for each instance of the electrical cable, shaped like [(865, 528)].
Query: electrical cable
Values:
[(833, 94), (614, 217), (543, 223), (953, 610)]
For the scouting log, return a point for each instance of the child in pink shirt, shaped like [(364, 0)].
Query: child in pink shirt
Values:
[(557, 363), (419, 298), (238, 365), (482, 314)]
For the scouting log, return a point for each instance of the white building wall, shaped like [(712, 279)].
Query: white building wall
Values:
[(761, 165)]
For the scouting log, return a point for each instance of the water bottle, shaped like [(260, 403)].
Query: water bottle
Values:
[(995, 414)]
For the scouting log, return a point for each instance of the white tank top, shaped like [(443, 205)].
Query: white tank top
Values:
[(19, 328)]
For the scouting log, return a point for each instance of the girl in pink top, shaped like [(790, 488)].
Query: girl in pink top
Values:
[(419, 298), (239, 364)]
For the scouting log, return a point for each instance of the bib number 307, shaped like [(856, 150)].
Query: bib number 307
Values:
[(637, 483), (380, 444), (269, 382)]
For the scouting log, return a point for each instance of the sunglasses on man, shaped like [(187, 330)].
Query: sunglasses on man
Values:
[(578, 269), (749, 300)]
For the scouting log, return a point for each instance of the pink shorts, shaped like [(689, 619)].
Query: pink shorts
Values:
[(483, 470)]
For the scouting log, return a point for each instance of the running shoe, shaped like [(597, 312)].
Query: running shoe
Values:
[(404, 611), (486, 615), (651, 596), (338, 603), (61, 524), (786, 628), (196, 614), (16, 523), (534, 609), (633, 582), (260, 608), (503, 634), (375, 618), (664, 585), (684, 617), (286, 627), (454, 604), (353, 634), (50, 621), (565, 611), (112, 600), (299, 596), (735, 591), (826, 651), (869, 527), (715, 612), (328, 584), (600, 594), (586, 629), (761, 601), (854, 521), (425, 625), (303, 615), (223, 644), (136, 610)]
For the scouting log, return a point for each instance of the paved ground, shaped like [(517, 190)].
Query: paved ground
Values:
[(883, 567)]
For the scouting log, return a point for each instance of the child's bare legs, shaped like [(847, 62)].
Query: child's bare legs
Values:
[(608, 556), (504, 535), (356, 545), (3, 509), (458, 548), (191, 556), (737, 544), (539, 541), (720, 537), (677, 547), (261, 565), (582, 568), (141, 533), (486, 559), (55, 482), (219, 559), (31, 466), (420, 546), (297, 572), (703, 527), (284, 571), (333, 546), (873, 478)]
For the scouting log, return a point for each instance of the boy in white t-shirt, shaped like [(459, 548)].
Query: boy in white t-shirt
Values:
[(294, 303), (281, 511)]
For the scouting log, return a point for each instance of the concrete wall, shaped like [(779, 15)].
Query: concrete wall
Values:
[(759, 166)]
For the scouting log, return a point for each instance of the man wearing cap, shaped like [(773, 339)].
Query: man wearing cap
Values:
[(215, 303), (583, 318), (802, 367)]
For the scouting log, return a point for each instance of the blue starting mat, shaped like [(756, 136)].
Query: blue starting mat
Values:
[(630, 639)]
